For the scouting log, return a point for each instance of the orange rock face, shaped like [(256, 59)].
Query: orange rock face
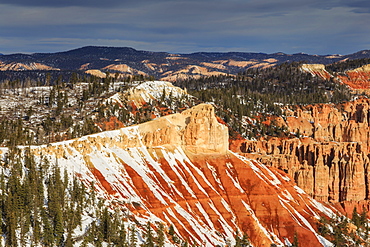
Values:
[(177, 170), (110, 124), (331, 162), (316, 70), (358, 78)]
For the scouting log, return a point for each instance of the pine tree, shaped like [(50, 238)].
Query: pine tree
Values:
[(149, 236), (171, 230), (241, 242), (363, 217), (295, 240), (69, 240), (106, 225), (237, 239), (122, 237), (133, 238), (58, 227), (47, 233), (160, 239), (356, 219)]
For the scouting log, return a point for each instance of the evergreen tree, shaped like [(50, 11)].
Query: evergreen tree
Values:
[(106, 225), (47, 233), (122, 237), (133, 238), (149, 239), (295, 240), (241, 241), (69, 240), (160, 239), (356, 219)]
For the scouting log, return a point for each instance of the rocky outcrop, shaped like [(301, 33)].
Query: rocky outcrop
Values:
[(327, 171), (357, 79), (178, 170), (347, 122), (316, 70), (330, 162), (123, 68), (195, 129), (190, 72), (96, 72)]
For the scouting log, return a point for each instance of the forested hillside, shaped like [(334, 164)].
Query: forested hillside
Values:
[(42, 205), (257, 95), (59, 108)]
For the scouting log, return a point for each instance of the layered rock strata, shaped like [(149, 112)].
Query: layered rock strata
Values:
[(331, 159), (178, 170), (357, 79), (328, 171)]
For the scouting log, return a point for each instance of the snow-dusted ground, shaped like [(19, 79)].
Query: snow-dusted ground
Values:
[(31, 104), (124, 169)]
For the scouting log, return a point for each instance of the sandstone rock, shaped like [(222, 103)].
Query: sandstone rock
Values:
[(195, 130), (328, 171), (179, 170), (331, 162), (316, 70), (358, 78)]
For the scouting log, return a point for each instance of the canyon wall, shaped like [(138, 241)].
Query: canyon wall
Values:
[(330, 160)]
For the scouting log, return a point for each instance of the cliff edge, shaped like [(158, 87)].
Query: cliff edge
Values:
[(178, 170)]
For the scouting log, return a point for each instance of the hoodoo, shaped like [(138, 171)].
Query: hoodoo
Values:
[(330, 161)]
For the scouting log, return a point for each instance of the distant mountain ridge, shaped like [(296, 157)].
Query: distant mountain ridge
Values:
[(165, 65)]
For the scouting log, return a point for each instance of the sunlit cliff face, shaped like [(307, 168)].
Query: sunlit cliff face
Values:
[(178, 170)]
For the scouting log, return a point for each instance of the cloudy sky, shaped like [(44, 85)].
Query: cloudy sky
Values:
[(184, 26)]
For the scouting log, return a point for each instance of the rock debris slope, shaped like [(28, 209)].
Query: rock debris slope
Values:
[(178, 170)]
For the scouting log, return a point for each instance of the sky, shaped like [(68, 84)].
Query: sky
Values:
[(186, 26)]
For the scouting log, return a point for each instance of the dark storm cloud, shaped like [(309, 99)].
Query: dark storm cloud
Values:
[(234, 5), (255, 6), (63, 3), (359, 6), (315, 26)]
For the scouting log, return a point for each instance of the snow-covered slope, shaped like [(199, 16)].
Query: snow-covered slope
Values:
[(147, 92), (178, 170)]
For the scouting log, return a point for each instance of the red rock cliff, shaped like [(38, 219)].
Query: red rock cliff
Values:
[(357, 79), (178, 170), (331, 162)]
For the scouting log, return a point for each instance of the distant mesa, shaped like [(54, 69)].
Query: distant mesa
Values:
[(161, 65), (14, 66)]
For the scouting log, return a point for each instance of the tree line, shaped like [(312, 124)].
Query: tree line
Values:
[(247, 100)]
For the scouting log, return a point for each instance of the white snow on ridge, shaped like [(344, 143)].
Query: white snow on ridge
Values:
[(155, 89), (118, 170)]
